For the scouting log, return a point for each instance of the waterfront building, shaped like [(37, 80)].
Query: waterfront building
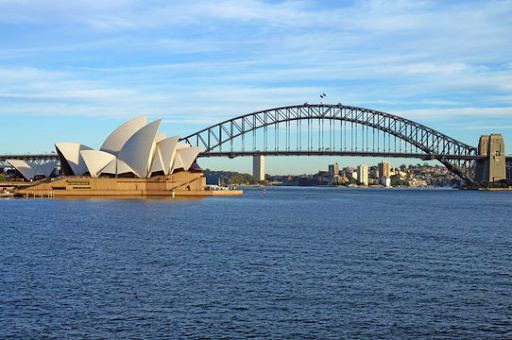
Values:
[(258, 167), (385, 181), (384, 170), (336, 180), (348, 169), (362, 172), (354, 175), (334, 170)]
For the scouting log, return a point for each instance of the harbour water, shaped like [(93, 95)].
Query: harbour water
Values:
[(290, 263)]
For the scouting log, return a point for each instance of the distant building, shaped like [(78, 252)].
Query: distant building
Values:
[(354, 175), (384, 170), (362, 174), (385, 181), (334, 170), (258, 167)]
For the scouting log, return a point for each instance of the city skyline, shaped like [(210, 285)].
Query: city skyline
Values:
[(66, 67)]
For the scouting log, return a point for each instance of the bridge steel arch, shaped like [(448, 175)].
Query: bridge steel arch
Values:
[(414, 140)]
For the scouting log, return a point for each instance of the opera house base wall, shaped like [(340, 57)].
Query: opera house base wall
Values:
[(184, 183)]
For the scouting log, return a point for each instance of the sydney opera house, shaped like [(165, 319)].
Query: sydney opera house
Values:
[(134, 160), (135, 149)]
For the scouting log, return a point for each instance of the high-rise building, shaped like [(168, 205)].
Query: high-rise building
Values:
[(334, 169), (362, 174), (258, 167), (384, 170)]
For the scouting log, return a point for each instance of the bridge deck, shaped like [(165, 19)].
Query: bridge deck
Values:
[(54, 157), (340, 153)]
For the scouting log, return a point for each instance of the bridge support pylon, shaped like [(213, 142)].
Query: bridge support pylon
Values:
[(493, 167), (258, 167)]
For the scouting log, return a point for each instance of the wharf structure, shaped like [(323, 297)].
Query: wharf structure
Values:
[(134, 161)]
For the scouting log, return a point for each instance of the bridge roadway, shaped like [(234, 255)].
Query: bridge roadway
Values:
[(343, 153), (31, 157), (54, 157)]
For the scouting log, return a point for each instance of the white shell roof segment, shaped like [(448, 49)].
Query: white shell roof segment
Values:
[(30, 169), (117, 139), (71, 152), (46, 169), (164, 154), (137, 150), (116, 166), (178, 162), (160, 136), (27, 169), (96, 160), (188, 156)]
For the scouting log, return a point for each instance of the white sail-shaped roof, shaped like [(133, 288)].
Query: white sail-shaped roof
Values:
[(160, 136), (173, 158), (177, 162), (116, 166), (164, 155), (117, 139), (96, 160), (29, 170), (46, 169), (71, 153), (136, 152), (26, 168), (188, 156), (185, 156)]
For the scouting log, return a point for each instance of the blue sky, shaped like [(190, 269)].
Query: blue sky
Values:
[(72, 71)]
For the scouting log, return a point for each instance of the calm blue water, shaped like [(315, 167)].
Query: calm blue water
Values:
[(295, 263)]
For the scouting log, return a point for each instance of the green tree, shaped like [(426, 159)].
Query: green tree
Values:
[(304, 181), (2, 178), (396, 181), (228, 178)]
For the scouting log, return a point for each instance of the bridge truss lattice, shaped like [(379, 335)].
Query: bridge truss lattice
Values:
[(324, 129)]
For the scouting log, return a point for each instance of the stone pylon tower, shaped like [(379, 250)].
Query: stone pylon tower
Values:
[(258, 167), (493, 167)]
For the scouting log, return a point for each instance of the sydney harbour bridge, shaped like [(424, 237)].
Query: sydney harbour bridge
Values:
[(328, 130)]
